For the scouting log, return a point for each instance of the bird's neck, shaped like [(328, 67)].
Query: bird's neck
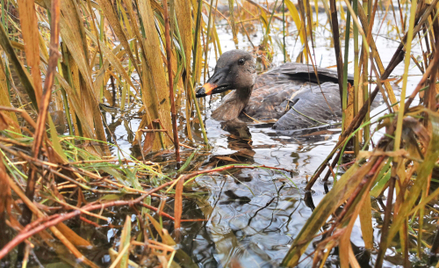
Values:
[(244, 94), (233, 105)]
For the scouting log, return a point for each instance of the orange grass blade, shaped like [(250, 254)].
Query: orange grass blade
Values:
[(29, 29), (178, 203)]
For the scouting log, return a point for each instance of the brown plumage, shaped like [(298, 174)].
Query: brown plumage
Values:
[(289, 93)]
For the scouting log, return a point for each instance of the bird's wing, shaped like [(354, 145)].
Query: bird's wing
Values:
[(312, 106)]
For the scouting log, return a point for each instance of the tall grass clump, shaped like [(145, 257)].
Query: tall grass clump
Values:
[(76, 60), (400, 166)]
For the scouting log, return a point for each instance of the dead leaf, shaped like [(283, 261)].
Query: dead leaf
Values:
[(226, 158), (6, 122)]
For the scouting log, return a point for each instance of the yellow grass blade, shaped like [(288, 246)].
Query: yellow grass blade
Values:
[(4, 96), (55, 140), (29, 29), (366, 222), (21, 71), (424, 173), (112, 59), (154, 89), (343, 189), (111, 16), (297, 20), (125, 242)]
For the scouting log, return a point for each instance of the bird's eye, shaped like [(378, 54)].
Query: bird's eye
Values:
[(241, 61)]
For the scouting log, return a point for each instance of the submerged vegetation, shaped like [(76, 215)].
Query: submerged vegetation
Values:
[(69, 65)]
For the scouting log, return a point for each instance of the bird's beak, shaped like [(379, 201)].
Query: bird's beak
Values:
[(207, 89), (215, 84)]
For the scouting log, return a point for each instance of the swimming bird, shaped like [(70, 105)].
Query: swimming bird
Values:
[(289, 93)]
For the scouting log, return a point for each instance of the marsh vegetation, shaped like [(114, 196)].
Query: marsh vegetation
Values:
[(108, 160)]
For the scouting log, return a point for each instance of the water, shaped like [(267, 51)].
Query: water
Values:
[(253, 215)]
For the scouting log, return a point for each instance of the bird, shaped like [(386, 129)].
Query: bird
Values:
[(290, 94)]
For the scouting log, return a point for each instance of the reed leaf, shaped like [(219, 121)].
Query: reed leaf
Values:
[(338, 194), (111, 16), (424, 172), (154, 87), (4, 95), (125, 242), (29, 29), (21, 71)]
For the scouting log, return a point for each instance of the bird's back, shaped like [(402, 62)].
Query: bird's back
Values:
[(280, 89)]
